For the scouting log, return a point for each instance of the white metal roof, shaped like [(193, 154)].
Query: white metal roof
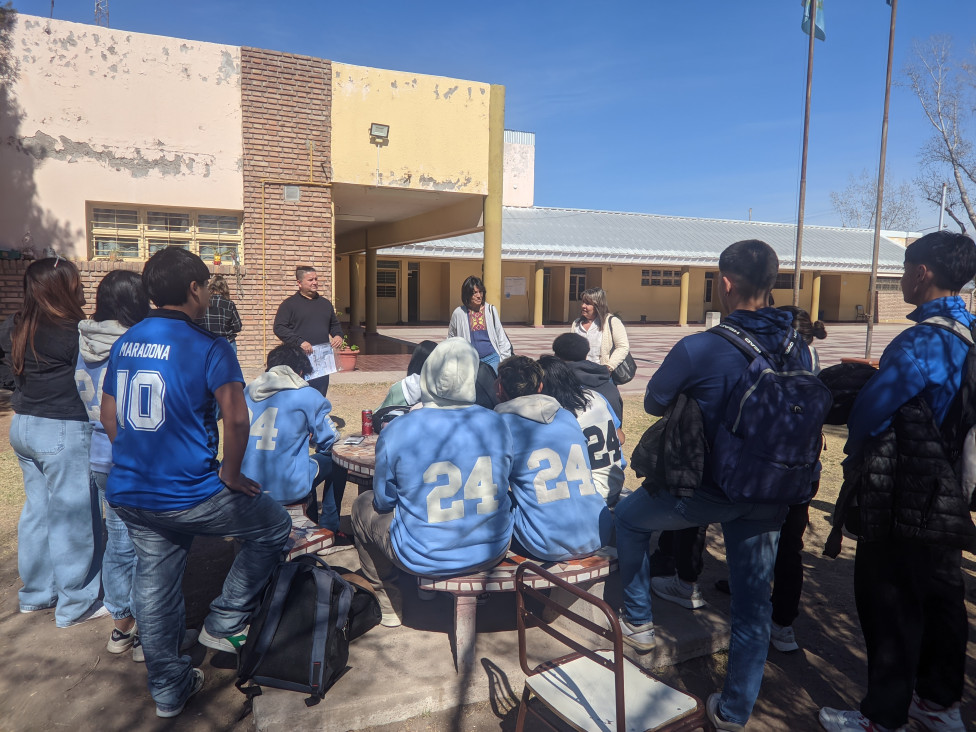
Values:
[(582, 236)]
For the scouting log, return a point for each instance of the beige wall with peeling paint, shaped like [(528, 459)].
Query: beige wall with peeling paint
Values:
[(438, 130), (105, 115)]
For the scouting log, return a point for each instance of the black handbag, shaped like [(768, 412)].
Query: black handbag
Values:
[(625, 372)]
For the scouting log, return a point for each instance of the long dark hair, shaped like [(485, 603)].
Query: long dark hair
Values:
[(122, 297), (419, 357), (468, 287), (596, 297), (52, 294), (561, 384)]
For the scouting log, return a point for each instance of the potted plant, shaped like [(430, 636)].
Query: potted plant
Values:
[(346, 355)]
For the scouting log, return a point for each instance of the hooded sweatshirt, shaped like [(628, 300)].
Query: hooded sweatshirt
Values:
[(559, 513), (95, 341), (443, 471), (607, 461), (596, 377), (705, 367), (283, 409)]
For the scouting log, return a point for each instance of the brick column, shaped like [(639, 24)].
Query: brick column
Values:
[(286, 103)]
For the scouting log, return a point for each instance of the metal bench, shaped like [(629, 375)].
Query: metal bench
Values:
[(501, 578)]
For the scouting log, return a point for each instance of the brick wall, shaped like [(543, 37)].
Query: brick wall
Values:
[(286, 102), (891, 307)]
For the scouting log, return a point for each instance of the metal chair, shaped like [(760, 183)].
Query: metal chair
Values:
[(588, 689), (859, 314)]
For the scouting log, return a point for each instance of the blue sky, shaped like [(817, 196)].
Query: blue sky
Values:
[(679, 107)]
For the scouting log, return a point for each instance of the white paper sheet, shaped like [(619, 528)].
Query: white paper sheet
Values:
[(323, 361)]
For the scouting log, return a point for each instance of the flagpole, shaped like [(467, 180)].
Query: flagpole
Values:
[(798, 253), (881, 173)]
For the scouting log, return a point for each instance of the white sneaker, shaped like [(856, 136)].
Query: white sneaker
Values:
[(197, 684), (849, 720), (783, 638), (711, 709), (640, 637), (390, 620), (937, 720), (674, 590)]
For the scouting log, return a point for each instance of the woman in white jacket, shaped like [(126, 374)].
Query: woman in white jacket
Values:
[(606, 333), (477, 322)]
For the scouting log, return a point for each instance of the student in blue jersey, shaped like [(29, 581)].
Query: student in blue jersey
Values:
[(601, 427), (164, 378), (440, 504), (120, 302), (284, 410), (559, 514)]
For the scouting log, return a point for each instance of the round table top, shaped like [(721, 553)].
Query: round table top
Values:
[(359, 459)]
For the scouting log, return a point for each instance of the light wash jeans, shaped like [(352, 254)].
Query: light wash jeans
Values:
[(60, 529), (119, 560), (492, 360), (162, 540), (751, 534)]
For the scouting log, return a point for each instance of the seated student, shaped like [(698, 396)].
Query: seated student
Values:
[(573, 349), (440, 504), (406, 393), (600, 425), (283, 410), (559, 514)]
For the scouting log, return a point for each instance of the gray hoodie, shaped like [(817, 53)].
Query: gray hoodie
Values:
[(278, 378), (448, 376), (536, 407)]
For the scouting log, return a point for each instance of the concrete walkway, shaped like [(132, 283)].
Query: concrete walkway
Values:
[(386, 356)]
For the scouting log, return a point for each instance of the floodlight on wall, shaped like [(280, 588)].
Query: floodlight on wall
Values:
[(379, 135)]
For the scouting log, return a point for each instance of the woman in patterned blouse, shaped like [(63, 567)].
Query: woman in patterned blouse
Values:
[(478, 323)]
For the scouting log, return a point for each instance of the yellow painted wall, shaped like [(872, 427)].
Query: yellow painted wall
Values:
[(438, 130), (853, 291), (517, 308)]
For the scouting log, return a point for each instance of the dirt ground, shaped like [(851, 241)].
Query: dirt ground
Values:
[(54, 678)]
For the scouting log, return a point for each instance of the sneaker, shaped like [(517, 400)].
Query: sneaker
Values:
[(96, 611), (121, 642), (230, 643), (937, 720), (640, 637), (190, 638), (197, 684), (711, 709), (849, 720), (783, 638), (674, 590), (391, 620)]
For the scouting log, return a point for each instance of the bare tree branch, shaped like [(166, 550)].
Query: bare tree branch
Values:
[(856, 204)]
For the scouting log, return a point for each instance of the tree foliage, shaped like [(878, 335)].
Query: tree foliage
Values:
[(857, 203), (946, 89)]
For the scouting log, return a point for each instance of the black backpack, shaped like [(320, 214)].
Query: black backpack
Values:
[(768, 444), (299, 635)]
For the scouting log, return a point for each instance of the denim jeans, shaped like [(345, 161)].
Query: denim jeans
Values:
[(492, 360), (60, 529), (332, 492), (162, 540), (751, 534), (119, 560)]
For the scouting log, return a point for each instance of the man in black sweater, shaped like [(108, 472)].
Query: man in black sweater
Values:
[(307, 319)]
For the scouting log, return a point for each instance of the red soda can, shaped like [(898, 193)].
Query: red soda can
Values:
[(367, 421)]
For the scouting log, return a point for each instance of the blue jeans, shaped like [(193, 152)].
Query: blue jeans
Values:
[(332, 492), (751, 534), (162, 540), (119, 560), (60, 529), (492, 360)]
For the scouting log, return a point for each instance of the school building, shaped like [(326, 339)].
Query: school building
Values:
[(394, 185)]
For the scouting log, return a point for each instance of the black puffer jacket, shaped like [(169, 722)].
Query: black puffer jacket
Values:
[(905, 486), (671, 453)]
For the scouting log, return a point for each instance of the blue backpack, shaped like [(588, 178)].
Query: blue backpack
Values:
[(768, 444)]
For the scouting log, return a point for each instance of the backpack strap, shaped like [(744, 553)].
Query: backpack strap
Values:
[(324, 582), (953, 326), (282, 579), (744, 341)]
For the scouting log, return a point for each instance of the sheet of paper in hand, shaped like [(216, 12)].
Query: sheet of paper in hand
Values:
[(323, 361)]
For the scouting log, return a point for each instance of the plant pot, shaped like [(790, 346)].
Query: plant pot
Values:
[(346, 360)]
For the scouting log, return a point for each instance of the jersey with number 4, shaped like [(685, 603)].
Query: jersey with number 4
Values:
[(163, 374), (607, 461), (444, 473), (283, 414), (559, 514)]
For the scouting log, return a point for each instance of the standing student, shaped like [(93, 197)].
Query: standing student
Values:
[(222, 317), (478, 323), (706, 367), (164, 379), (120, 302), (909, 587), (605, 333), (59, 532), (307, 319)]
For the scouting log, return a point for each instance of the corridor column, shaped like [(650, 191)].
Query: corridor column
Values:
[(355, 311), (370, 291), (539, 293), (493, 201), (815, 301), (683, 296)]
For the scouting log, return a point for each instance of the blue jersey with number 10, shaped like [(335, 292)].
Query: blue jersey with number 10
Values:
[(163, 374)]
